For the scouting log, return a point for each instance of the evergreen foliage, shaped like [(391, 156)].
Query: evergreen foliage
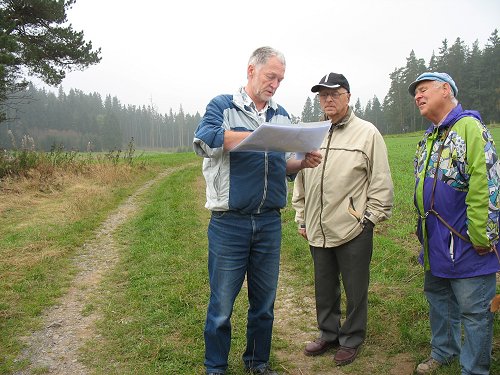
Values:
[(34, 41), (307, 112), (475, 71), (86, 122)]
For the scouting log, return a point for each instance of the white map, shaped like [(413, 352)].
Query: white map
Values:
[(299, 138)]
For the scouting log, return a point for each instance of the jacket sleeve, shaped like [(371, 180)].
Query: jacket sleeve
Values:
[(298, 198), (380, 193), (483, 169), (209, 136)]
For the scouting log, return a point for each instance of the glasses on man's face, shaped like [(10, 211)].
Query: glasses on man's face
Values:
[(333, 94)]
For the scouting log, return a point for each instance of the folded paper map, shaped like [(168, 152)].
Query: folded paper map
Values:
[(299, 138)]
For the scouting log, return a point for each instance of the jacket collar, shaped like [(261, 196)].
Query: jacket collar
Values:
[(344, 121), (456, 114)]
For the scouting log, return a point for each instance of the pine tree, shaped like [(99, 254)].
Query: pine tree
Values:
[(456, 59), (433, 63), (316, 113), (442, 57), (474, 82), (393, 103), (376, 117), (307, 112), (358, 110), (368, 111), (32, 40), (411, 120), (491, 93)]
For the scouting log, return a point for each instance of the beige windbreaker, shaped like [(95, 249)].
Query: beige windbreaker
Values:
[(353, 183)]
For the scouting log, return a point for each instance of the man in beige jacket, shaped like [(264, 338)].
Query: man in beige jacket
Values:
[(337, 206)]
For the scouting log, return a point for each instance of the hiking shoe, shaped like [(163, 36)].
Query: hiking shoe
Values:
[(346, 355), (428, 366), (319, 346)]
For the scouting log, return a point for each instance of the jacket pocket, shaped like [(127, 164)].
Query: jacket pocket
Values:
[(451, 247), (352, 210)]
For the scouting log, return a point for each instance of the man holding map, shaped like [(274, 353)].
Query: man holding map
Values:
[(245, 192)]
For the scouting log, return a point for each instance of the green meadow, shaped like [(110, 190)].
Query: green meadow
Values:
[(152, 304)]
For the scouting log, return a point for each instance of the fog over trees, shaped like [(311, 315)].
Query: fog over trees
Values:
[(34, 44)]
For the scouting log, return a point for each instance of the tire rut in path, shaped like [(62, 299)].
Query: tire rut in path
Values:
[(55, 348)]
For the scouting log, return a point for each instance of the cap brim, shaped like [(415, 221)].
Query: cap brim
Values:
[(412, 87), (318, 86)]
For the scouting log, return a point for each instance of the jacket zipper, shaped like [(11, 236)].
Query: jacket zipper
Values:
[(321, 186), (266, 173)]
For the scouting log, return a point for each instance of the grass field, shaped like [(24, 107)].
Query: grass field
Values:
[(153, 304)]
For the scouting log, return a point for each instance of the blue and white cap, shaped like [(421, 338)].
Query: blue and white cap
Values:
[(433, 76)]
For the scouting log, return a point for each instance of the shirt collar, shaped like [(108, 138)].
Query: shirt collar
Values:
[(250, 105)]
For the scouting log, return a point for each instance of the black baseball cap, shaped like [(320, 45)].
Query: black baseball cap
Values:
[(332, 81)]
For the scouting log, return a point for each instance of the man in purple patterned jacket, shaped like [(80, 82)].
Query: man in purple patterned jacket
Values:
[(456, 196)]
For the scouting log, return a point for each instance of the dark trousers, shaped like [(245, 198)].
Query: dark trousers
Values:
[(351, 263)]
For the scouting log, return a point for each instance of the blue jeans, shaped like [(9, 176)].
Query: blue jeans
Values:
[(457, 302), (239, 245)]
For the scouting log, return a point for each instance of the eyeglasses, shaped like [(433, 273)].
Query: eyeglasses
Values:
[(334, 95)]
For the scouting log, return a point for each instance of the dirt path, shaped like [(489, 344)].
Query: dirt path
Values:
[(295, 321), (54, 349)]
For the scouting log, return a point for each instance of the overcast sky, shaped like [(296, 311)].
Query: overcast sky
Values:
[(184, 52)]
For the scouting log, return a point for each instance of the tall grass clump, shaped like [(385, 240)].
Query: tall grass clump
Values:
[(47, 170), (20, 159)]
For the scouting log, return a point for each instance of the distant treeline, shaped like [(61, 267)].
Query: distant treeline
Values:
[(476, 73), (83, 122), (86, 122)]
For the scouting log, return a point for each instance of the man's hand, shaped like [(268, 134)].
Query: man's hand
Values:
[(311, 160), (303, 232), (482, 250), (495, 303)]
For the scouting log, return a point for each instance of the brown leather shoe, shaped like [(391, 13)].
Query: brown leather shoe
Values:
[(319, 346), (345, 355)]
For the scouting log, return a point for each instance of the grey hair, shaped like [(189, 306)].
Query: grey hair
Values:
[(261, 55), (452, 95)]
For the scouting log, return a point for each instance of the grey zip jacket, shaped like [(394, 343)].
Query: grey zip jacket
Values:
[(352, 184)]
